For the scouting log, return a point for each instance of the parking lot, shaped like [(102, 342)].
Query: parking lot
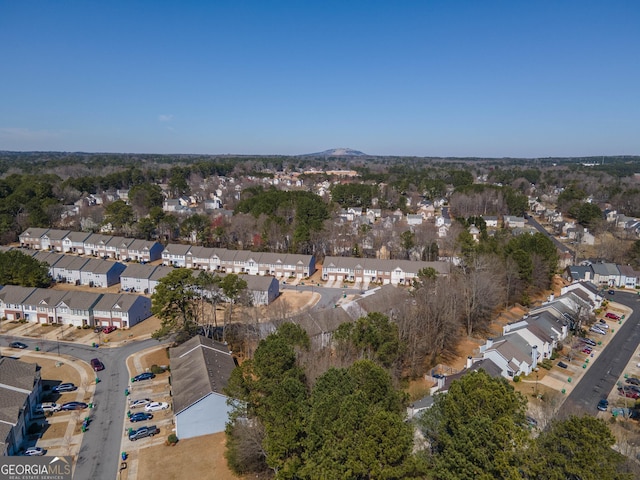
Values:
[(155, 390), (60, 433)]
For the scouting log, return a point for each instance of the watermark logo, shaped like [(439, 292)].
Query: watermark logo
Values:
[(35, 468)]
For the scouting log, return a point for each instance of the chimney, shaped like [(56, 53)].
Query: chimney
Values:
[(534, 356), (489, 343), (469, 361)]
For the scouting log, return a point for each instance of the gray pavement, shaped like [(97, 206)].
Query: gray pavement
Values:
[(601, 377), (99, 456)]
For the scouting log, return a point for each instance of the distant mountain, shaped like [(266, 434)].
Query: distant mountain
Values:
[(338, 152)]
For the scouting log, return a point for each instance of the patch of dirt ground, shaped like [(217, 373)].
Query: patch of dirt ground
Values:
[(183, 461), (146, 327), (159, 357)]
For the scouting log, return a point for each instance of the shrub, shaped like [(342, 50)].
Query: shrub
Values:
[(172, 438), (546, 364), (156, 369), (516, 379)]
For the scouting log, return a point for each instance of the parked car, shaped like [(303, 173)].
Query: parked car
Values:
[(155, 406), (603, 405), (602, 325), (597, 330), (73, 406), (18, 345), (65, 387), (143, 376), (47, 407), (140, 417), (34, 452), (603, 322), (587, 350), (611, 292), (588, 341), (633, 381), (97, 365), (109, 329), (98, 329), (627, 392), (143, 432), (562, 365), (612, 316), (141, 402)]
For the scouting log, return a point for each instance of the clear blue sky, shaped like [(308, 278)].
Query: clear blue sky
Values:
[(426, 78)]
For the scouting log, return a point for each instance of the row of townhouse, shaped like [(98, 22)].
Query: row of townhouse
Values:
[(97, 245), (47, 306), (81, 270), (177, 255), (372, 270), (20, 392), (604, 275), (144, 278), (534, 337), (280, 265)]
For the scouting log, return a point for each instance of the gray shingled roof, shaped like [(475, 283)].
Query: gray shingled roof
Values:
[(81, 300), (45, 296), (137, 270), (109, 301), (71, 262), (199, 367), (57, 234), (15, 294)]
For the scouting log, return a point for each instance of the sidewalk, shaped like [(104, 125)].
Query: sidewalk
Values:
[(35, 332)]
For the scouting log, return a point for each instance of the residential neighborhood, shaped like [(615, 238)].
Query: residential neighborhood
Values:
[(527, 298)]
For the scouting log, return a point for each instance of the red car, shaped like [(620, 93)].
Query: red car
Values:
[(109, 329), (612, 316), (586, 350), (626, 392), (97, 365)]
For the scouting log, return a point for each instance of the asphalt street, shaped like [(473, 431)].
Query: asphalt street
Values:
[(534, 223), (99, 455), (601, 377)]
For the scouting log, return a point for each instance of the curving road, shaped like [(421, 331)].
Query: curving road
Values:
[(99, 456), (559, 245), (602, 376)]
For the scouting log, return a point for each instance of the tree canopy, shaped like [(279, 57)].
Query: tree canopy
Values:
[(476, 429), (349, 424), (16, 268), (173, 303)]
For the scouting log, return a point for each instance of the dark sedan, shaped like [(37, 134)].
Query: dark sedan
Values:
[(143, 376), (140, 417), (18, 345), (73, 406)]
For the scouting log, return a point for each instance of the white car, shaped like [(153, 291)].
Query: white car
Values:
[(34, 452), (155, 406), (47, 407), (141, 402)]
